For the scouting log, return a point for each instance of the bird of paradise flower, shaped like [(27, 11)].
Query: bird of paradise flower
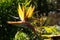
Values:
[(24, 15)]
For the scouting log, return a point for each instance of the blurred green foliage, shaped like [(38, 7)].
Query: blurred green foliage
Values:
[(21, 36), (9, 7), (50, 30)]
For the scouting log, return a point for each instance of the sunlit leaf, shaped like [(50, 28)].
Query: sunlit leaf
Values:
[(27, 3)]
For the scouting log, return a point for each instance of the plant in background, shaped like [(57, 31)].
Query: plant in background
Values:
[(5, 3), (26, 3), (21, 36)]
